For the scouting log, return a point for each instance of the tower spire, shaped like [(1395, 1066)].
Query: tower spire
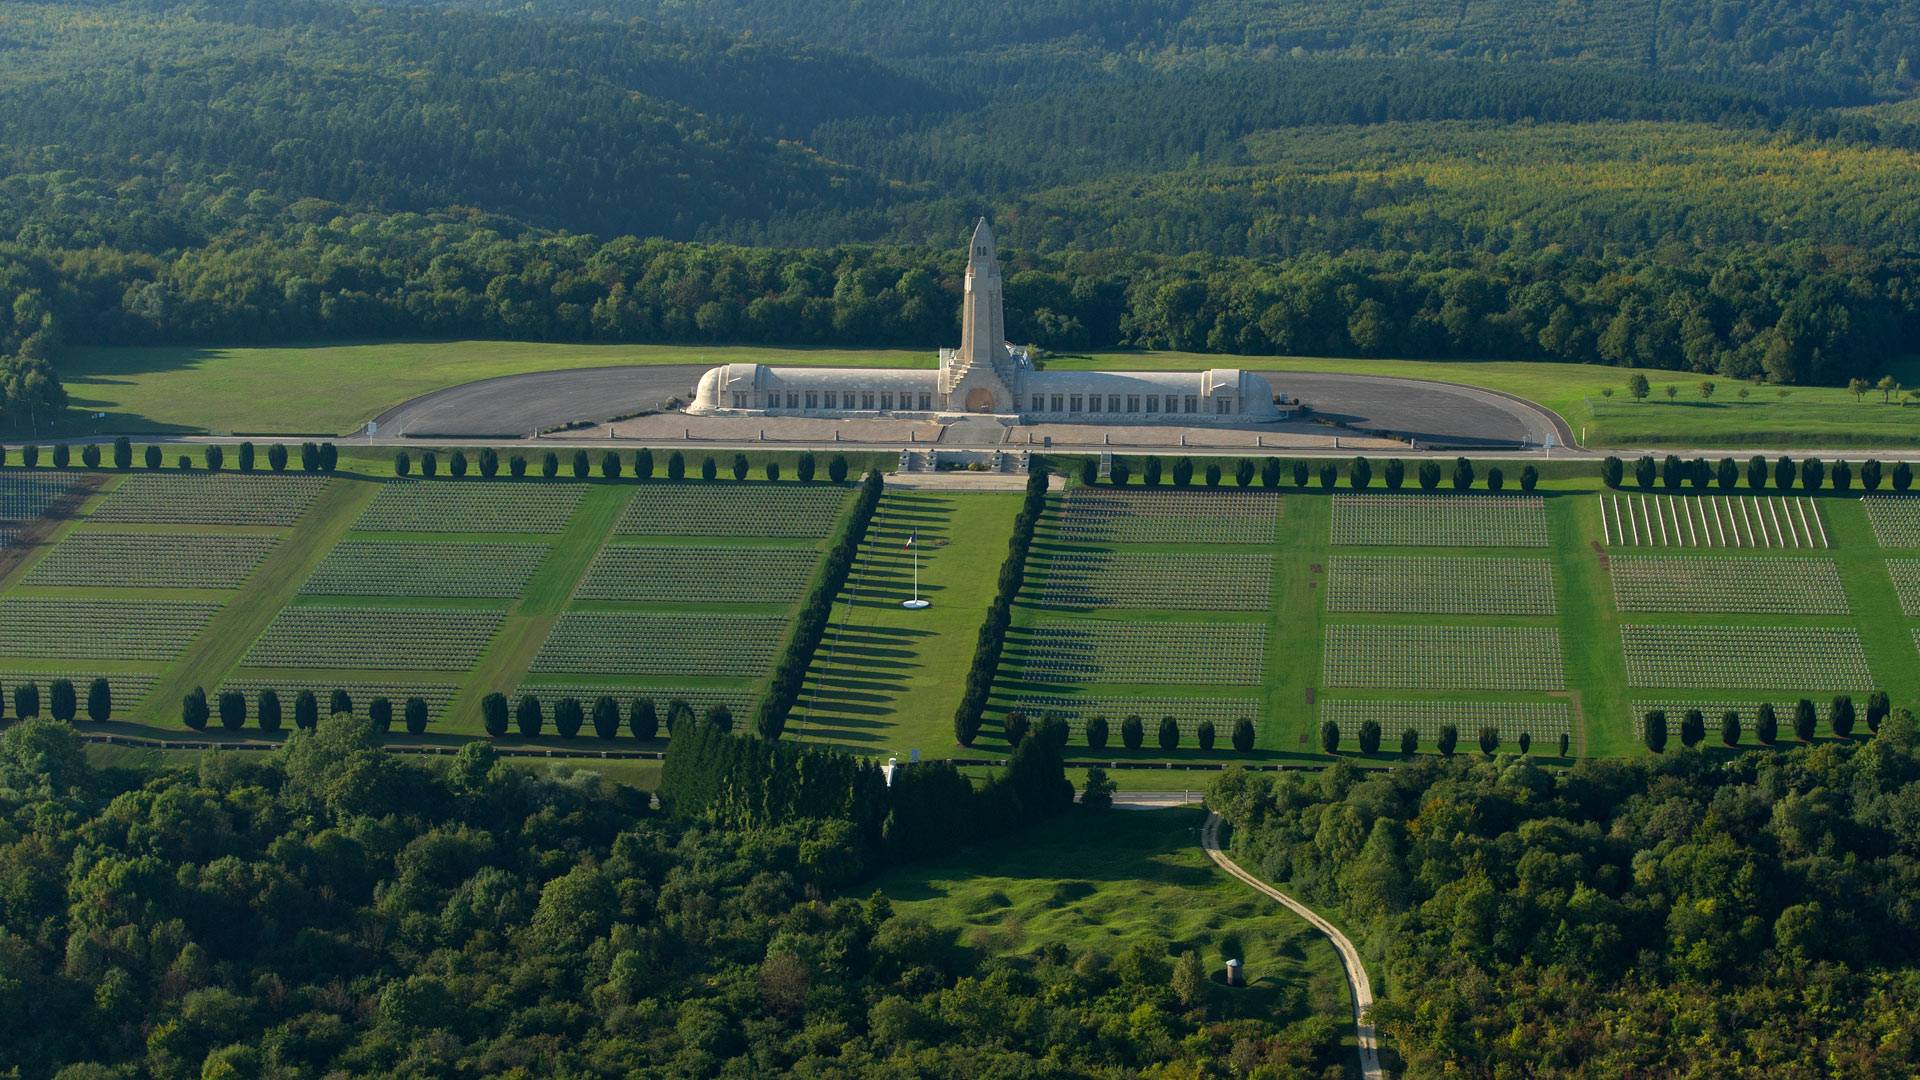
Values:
[(982, 327)]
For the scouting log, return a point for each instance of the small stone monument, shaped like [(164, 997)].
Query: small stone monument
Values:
[(1234, 975)]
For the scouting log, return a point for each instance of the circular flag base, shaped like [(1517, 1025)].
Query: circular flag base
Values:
[(916, 604)]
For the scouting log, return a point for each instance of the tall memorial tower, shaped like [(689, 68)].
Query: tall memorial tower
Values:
[(981, 375)]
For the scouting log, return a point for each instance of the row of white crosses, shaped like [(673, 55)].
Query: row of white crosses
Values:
[(1670, 521)]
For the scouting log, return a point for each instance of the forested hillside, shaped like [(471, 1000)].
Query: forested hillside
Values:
[(1718, 188), (1687, 915)]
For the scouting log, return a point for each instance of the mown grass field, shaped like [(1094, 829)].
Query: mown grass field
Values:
[(1290, 607), (332, 389), (1117, 881)]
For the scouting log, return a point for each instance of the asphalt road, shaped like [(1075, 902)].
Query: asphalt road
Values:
[(1429, 412), (518, 404)]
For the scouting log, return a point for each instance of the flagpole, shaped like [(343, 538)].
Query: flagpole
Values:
[(916, 603)]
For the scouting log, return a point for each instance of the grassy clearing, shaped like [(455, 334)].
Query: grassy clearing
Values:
[(1114, 881), (886, 679), (336, 388)]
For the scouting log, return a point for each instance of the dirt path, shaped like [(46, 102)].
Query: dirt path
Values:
[(1349, 956)]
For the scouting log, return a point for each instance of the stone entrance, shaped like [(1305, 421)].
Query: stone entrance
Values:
[(980, 400)]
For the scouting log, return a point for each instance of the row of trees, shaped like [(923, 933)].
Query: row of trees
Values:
[(1270, 472), (1841, 718), (790, 673), (63, 703), (1133, 732), (993, 630), (315, 457), (1675, 472), (741, 783), (231, 709), (612, 466), (1447, 741)]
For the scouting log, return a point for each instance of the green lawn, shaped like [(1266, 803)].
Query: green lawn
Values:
[(336, 388), (886, 679), (1110, 882)]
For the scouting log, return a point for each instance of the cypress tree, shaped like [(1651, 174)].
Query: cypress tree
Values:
[(1369, 737), (99, 700), (1243, 735), (123, 453), (550, 465), (193, 709), (582, 467), (489, 462), (233, 710), (1132, 733), (246, 457), (529, 718), (643, 464), (26, 700), (517, 466), (1396, 474), (1203, 734), (567, 717), (457, 464), (1409, 742), (1448, 741), (677, 467), (493, 714), (306, 710), (1169, 733), (1654, 730), (1097, 733), (402, 463), (837, 468), (1329, 738), (1730, 727), (1693, 728), (339, 702), (1841, 716), (642, 721), (266, 709), (606, 717), (62, 702), (429, 464), (1766, 724), (380, 712), (805, 467), (610, 465), (1804, 719), (1489, 740), (415, 713)]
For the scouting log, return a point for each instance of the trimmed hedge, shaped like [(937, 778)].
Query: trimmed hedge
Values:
[(993, 632)]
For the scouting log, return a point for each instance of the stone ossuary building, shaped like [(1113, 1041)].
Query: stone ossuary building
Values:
[(988, 375)]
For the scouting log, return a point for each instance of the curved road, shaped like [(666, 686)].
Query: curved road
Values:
[(1349, 956)]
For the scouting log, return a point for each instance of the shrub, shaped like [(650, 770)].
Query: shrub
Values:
[(1529, 478), (679, 714), (1015, 727), (1213, 474), (642, 721), (62, 702), (457, 464), (1756, 472), (1150, 471), (123, 453), (1526, 743), (153, 456), (1693, 728), (1563, 744), (1429, 475), (1359, 473), (193, 709), (1766, 725), (1842, 476), (184, 463), (1870, 474), (643, 464), (429, 464), (329, 457), (1804, 719), (837, 468), (1654, 730), (233, 710), (1496, 479), (90, 455), (772, 469), (568, 716), (1270, 473), (1098, 792), (1489, 740), (1396, 474), (1841, 716), (1643, 473), (1878, 709), (1089, 471), (339, 702), (677, 467), (266, 709), (1243, 735), (1329, 475), (529, 717), (739, 466), (721, 717), (582, 466), (489, 462), (1120, 473), (1612, 470), (246, 457), (1812, 473), (1132, 733), (517, 466), (1182, 472), (1330, 737), (709, 468), (99, 700), (380, 712), (1097, 733), (1369, 737), (610, 465), (402, 463), (26, 700), (1729, 470), (306, 711), (493, 714), (309, 457), (1169, 734), (1409, 742), (805, 467), (1243, 471), (1783, 473), (414, 713), (606, 717), (1300, 471), (550, 465), (1448, 740), (1462, 474), (1204, 735), (1673, 472), (1730, 727)]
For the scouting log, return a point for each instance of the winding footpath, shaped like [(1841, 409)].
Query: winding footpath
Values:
[(1349, 956)]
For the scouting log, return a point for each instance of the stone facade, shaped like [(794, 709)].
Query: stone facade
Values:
[(988, 375)]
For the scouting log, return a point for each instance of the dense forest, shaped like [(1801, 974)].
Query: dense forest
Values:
[(1709, 187), (330, 911), (1692, 914)]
